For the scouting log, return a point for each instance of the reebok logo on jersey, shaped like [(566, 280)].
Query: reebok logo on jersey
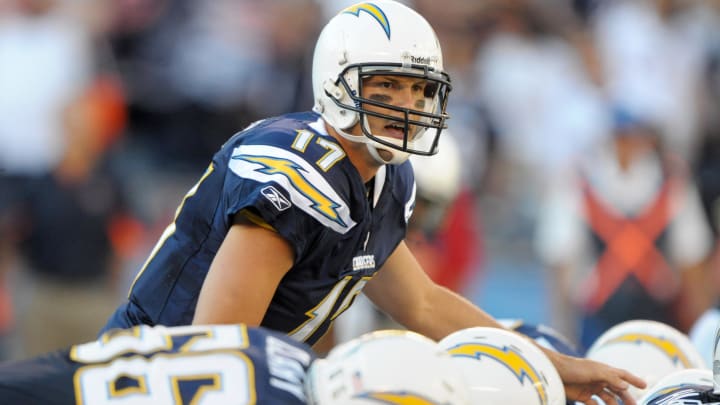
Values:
[(299, 182), (277, 199)]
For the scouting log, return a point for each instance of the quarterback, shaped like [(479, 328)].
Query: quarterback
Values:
[(298, 214)]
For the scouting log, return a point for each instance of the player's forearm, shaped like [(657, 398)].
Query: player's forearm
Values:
[(445, 312), (229, 310)]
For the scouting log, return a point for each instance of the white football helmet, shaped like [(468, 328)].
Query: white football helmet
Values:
[(438, 177), (438, 180), (702, 333), (501, 367), (649, 349), (390, 366), (677, 385), (382, 37)]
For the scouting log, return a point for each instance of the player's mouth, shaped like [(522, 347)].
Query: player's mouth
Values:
[(395, 130)]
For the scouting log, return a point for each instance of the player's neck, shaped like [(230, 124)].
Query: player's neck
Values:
[(358, 154)]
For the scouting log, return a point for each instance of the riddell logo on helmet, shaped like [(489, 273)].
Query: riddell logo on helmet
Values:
[(421, 60)]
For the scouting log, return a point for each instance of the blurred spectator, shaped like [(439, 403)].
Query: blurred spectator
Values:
[(197, 70), (8, 260), (45, 65), (458, 27), (77, 227), (707, 165), (704, 330), (63, 219), (653, 53), (542, 116), (625, 236), (540, 107)]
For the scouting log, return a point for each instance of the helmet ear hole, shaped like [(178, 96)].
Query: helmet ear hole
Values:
[(333, 90), (346, 119), (341, 118)]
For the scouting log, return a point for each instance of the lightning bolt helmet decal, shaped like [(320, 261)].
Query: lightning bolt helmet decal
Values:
[(667, 346), (510, 358), (374, 11), (397, 398)]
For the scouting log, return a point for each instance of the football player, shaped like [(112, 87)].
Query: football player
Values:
[(297, 214), (214, 365), (234, 364)]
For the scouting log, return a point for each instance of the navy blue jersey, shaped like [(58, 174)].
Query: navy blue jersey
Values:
[(543, 335), (288, 172), (215, 365)]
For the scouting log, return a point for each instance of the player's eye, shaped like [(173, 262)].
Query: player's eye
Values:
[(386, 85), (430, 89)]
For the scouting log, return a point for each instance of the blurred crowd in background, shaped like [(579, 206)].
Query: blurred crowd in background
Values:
[(588, 134)]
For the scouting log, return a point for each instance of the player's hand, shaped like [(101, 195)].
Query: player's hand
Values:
[(584, 378)]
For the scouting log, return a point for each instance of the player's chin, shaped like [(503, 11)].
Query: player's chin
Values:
[(385, 154)]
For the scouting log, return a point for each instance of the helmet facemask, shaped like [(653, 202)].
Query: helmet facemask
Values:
[(380, 38), (410, 125)]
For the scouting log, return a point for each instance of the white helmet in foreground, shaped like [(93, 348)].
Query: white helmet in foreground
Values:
[(649, 349), (702, 333), (438, 180), (439, 177), (386, 367), (382, 37), (689, 384), (501, 367)]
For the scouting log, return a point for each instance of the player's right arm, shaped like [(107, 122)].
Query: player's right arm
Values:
[(243, 275)]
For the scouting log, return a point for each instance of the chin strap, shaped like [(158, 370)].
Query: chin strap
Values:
[(397, 158)]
